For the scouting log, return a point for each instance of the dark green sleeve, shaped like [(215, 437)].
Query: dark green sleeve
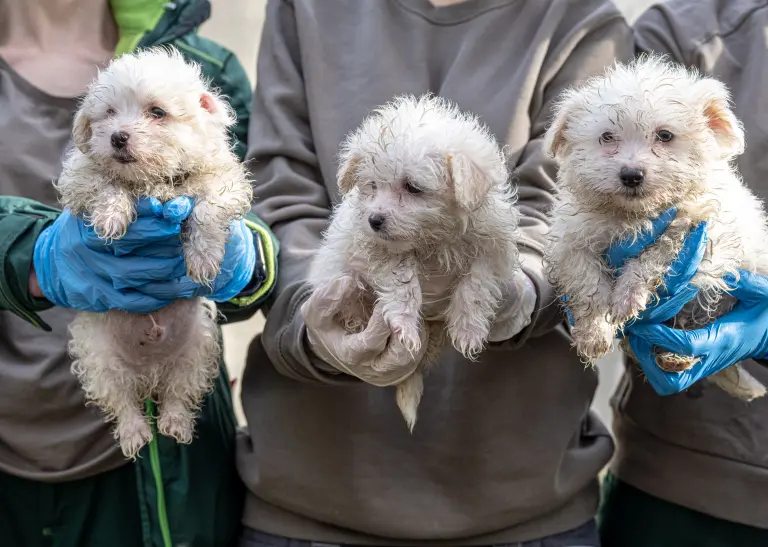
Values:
[(21, 221), (234, 84), (227, 74)]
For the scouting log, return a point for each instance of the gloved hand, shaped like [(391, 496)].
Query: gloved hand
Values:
[(516, 310), (141, 272), (676, 290), (675, 293), (373, 355), (740, 334), (235, 271)]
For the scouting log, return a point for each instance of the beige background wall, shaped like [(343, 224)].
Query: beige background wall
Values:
[(237, 24)]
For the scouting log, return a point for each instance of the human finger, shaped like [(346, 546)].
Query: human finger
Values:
[(749, 287), (667, 307), (685, 266), (631, 246), (681, 342)]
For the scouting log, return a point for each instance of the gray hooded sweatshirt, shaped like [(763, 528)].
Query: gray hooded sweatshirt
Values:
[(506, 448), (704, 449)]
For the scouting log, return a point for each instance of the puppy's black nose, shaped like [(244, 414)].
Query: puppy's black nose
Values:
[(376, 221), (120, 139), (631, 177)]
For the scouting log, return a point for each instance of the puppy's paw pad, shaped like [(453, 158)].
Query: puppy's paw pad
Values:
[(670, 362), (178, 425), (133, 435), (407, 331)]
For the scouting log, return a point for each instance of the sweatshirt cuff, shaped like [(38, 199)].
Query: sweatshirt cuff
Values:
[(546, 314), (285, 341), (18, 234), (264, 277)]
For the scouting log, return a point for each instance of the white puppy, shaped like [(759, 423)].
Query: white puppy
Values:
[(150, 126), (641, 139), (428, 224)]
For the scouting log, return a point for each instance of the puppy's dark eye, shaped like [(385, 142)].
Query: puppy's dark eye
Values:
[(607, 137), (411, 189), (157, 112), (373, 185), (664, 136), (111, 111)]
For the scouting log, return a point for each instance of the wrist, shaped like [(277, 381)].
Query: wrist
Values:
[(39, 269), (34, 285), (243, 272)]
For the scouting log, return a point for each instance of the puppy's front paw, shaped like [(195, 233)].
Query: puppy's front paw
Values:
[(593, 339), (406, 328), (133, 433), (111, 225), (628, 301), (179, 424), (469, 335), (202, 264)]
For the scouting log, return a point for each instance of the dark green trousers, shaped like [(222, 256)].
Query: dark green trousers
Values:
[(97, 511), (629, 517), (172, 496)]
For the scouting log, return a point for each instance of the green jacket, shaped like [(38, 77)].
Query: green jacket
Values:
[(190, 494)]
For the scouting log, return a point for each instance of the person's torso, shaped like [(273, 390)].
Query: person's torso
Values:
[(46, 431), (713, 445), (505, 441)]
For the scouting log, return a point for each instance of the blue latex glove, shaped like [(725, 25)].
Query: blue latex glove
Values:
[(647, 331), (740, 334), (676, 290), (141, 272), (235, 272)]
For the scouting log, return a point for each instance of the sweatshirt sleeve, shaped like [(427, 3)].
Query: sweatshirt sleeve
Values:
[(673, 30), (584, 50), (21, 222), (290, 195)]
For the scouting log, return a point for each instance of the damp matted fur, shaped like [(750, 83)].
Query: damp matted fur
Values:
[(427, 207), (151, 126), (674, 134)]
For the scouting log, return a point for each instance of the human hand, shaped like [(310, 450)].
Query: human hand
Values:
[(235, 271), (516, 309), (374, 355), (675, 290), (141, 272), (740, 334)]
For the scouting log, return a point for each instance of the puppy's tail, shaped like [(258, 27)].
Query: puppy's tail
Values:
[(408, 395), (408, 392)]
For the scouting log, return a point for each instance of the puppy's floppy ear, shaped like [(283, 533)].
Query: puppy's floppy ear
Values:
[(714, 100), (81, 131), (470, 183), (347, 175), (218, 108), (555, 139)]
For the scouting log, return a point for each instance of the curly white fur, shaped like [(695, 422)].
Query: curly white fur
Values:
[(426, 195), (174, 142), (625, 119)]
